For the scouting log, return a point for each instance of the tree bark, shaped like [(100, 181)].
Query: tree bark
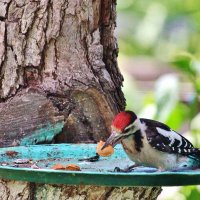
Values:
[(64, 52), (23, 190), (58, 75)]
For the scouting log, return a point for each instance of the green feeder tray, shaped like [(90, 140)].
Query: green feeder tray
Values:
[(34, 164)]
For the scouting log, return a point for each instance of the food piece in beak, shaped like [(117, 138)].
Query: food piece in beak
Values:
[(107, 151)]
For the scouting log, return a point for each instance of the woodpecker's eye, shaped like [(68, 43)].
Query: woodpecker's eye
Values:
[(126, 130)]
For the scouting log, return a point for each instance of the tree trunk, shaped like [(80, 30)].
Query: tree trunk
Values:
[(22, 191), (58, 56), (59, 79)]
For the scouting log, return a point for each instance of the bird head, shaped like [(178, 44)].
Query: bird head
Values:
[(122, 126)]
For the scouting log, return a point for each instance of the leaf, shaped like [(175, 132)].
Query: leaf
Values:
[(195, 65), (183, 62), (166, 95), (190, 192), (195, 125), (178, 116)]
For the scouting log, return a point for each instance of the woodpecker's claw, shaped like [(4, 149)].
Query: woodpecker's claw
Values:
[(128, 169), (117, 169)]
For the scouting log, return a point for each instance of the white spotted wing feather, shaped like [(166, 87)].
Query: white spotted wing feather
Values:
[(162, 138)]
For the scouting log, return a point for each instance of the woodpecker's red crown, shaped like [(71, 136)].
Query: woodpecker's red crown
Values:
[(123, 119)]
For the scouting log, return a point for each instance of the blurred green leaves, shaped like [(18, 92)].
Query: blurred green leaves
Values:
[(159, 28), (164, 104), (169, 108), (166, 96), (168, 31), (190, 66), (184, 61), (191, 192)]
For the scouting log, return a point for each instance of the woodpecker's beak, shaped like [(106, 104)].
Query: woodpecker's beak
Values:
[(112, 140)]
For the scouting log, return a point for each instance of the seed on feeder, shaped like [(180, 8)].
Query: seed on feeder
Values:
[(73, 167), (58, 167)]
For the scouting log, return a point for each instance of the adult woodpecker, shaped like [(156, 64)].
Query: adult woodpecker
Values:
[(152, 143)]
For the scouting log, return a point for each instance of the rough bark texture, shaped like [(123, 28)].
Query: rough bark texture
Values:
[(66, 51), (15, 190), (59, 76), (29, 112)]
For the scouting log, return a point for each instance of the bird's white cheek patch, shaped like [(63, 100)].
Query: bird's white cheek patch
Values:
[(171, 135), (141, 125)]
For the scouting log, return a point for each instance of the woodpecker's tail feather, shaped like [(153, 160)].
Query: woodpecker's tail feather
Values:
[(195, 154)]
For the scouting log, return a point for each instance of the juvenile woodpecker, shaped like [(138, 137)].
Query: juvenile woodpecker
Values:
[(151, 143)]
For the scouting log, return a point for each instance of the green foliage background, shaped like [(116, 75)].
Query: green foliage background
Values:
[(167, 31)]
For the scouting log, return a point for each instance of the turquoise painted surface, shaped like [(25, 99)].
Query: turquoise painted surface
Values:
[(75, 151), (44, 134), (92, 173)]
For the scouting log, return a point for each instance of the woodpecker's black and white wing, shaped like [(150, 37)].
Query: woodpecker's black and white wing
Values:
[(162, 138)]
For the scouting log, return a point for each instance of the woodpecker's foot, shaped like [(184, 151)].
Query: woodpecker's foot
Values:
[(128, 169), (117, 169), (91, 159)]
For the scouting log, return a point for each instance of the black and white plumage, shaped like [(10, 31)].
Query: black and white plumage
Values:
[(152, 143), (162, 138)]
